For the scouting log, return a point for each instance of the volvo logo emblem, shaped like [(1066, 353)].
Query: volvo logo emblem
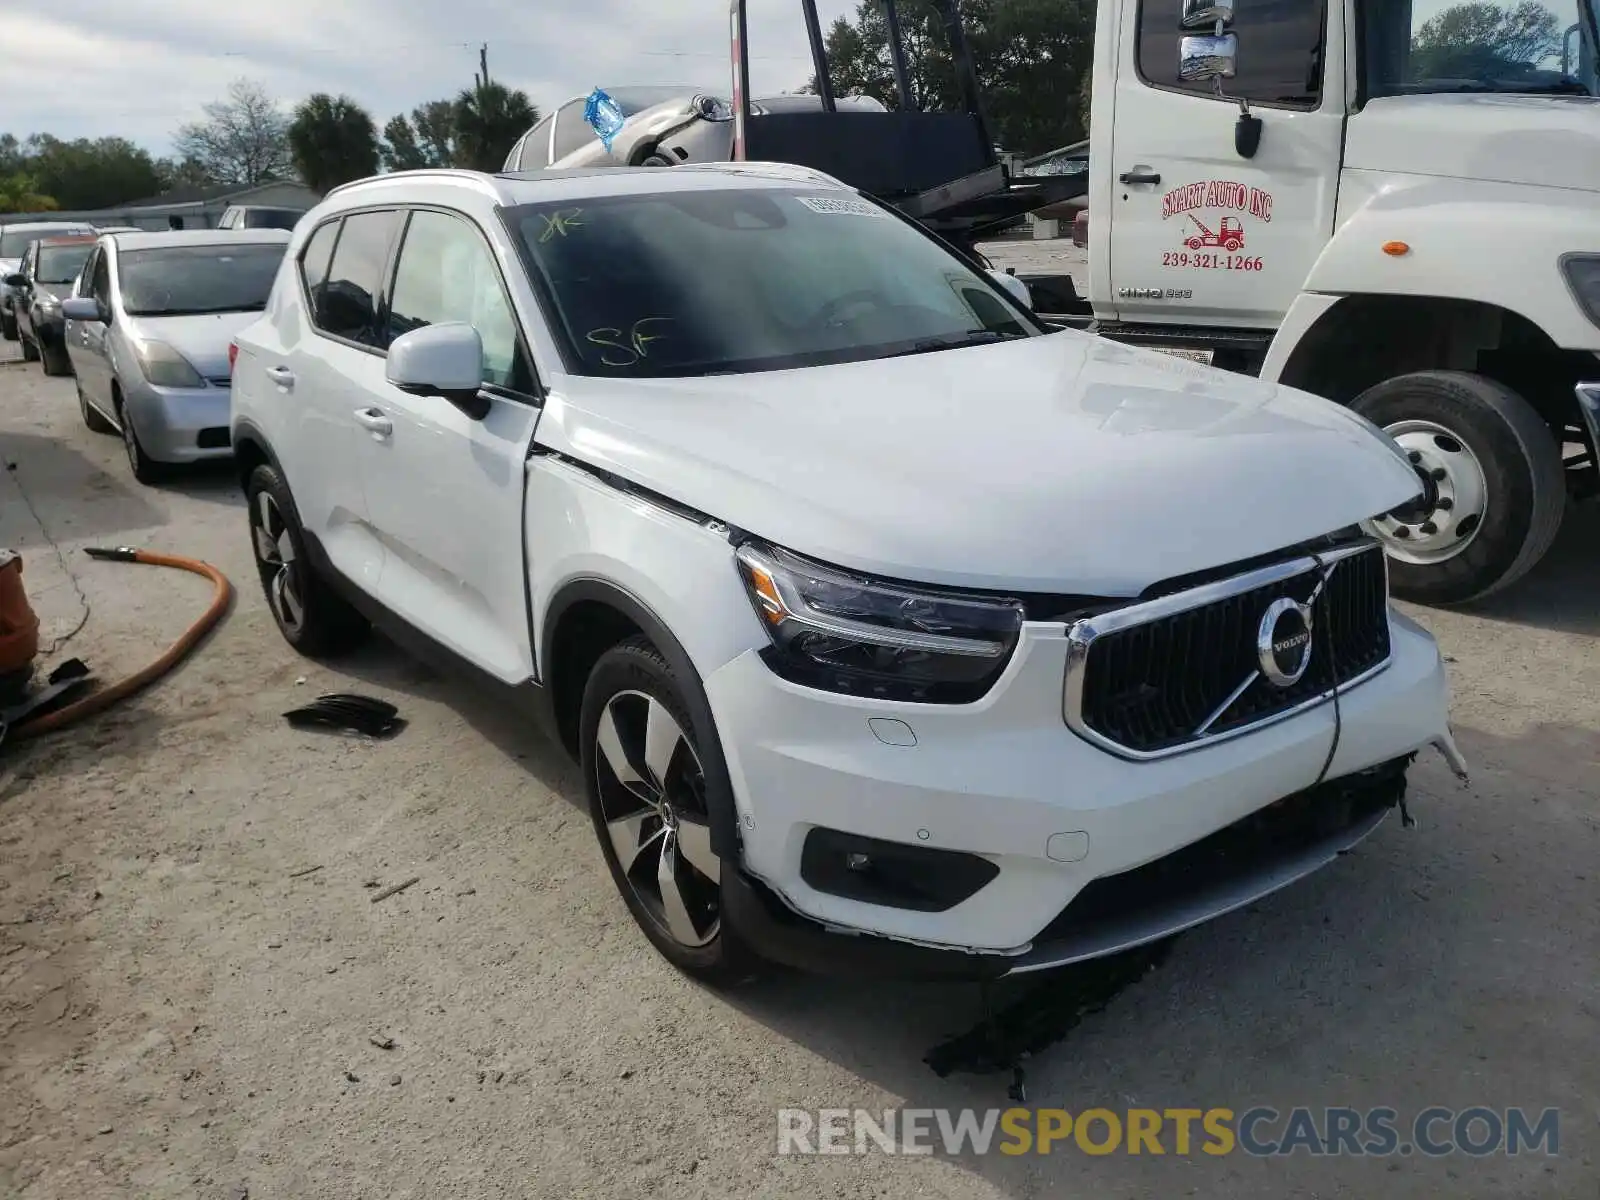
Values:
[(1283, 642)]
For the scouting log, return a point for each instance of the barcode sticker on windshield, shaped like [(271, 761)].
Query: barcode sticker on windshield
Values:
[(841, 206)]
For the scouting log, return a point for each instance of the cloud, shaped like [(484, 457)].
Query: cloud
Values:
[(91, 68)]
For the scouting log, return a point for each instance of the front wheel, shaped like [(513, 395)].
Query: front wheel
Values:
[(1494, 487), (647, 788)]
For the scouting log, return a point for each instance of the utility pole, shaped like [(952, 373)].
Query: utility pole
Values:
[(483, 66)]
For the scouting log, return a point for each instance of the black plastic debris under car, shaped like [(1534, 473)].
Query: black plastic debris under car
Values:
[(348, 712)]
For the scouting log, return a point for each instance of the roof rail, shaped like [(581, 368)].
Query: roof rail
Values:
[(768, 170), (458, 173)]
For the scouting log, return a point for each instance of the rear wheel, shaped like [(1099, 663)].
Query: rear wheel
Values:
[(145, 469), (54, 360), (8, 325), (1494, 487), (312, 617), (656, 159), (647, 788), (91, 415)]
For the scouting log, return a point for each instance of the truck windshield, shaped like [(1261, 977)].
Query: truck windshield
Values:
[(1531, 47), (691, 282)]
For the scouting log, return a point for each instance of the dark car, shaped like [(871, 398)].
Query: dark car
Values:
[(50, 266)]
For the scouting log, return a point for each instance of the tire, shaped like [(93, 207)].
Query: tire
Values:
[(145, 469), (1484, 447), (54, 360), (8, 325), (91, 415), (312, 617), (632, 694), (30, 348), (655, 159)]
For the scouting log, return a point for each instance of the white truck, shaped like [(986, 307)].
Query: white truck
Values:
[(1392, 204)]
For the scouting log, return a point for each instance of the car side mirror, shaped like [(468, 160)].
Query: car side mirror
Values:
[(1205, 14), (84, 308), (1211, 56), (15, 280), (441, 360), (1014, 287)]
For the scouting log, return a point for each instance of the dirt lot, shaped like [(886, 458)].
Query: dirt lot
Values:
[(184, 1011)]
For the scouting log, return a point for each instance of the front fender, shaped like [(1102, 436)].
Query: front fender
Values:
[(1495, 243)]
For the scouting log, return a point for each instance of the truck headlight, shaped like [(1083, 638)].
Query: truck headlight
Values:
[(165, 367), (864, 637), (1582, 272)]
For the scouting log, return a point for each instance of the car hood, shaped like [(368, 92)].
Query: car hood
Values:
[(1549, 141), (203, 340), (1062, 463)]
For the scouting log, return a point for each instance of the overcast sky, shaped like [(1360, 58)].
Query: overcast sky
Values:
[(94, 68)]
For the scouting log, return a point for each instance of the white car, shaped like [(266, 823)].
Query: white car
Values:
[(895, 632)]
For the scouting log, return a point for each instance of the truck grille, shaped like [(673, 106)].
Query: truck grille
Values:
[(1188, 669)]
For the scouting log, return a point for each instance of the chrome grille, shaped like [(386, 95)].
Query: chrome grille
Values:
[(1185, 670)]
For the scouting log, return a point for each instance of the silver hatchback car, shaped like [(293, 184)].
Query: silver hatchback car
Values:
[(148, 329)]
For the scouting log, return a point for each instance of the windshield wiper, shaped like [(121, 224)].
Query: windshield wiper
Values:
[(196, 312), (954, 341)]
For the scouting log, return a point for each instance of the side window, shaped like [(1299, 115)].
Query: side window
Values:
[(80, 286), (227, 220), (572, 131), (536, 147), (100, 281), (314, 261), (447, 273), (1280, 50), (353, 291), (514, 155)]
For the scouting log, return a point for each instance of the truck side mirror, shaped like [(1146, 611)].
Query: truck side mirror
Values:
[(1211, 56), (1205, 14)]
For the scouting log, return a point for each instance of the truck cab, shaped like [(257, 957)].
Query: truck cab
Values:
[(1392, 204)]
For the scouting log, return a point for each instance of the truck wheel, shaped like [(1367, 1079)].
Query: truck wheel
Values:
[(646, 784), (1494, 485)]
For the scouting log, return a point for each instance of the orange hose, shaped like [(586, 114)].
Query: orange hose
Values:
[(222, 593)]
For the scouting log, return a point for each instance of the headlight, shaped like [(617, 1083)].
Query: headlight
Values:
[(713, 108), (1582, 272), (866, 637), (165, 367)]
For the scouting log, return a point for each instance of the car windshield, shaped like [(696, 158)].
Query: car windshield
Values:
[(61, 264), (1531, 47), (685, 283), (14, 243), (172, 281)]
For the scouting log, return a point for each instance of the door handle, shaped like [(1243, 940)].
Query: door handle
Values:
[(1139, 176), (374, 420), (281, 376)]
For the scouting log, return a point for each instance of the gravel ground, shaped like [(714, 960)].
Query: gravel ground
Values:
[(193, 972)]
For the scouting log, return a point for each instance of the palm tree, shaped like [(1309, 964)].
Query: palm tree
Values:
[(489, 120), (333, 140)]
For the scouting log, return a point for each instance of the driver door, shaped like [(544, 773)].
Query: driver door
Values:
[(1197, 231)]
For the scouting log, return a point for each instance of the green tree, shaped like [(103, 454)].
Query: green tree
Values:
[(399, 150), (88, 174), (424, 139), (1483, 40), (1031, 58), (332, 140), (244, 137), (489, 118), (20, 194)]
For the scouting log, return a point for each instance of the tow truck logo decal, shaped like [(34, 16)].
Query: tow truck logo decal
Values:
[(1214, 240)]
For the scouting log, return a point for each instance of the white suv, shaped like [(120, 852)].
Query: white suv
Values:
[(894, 631)]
